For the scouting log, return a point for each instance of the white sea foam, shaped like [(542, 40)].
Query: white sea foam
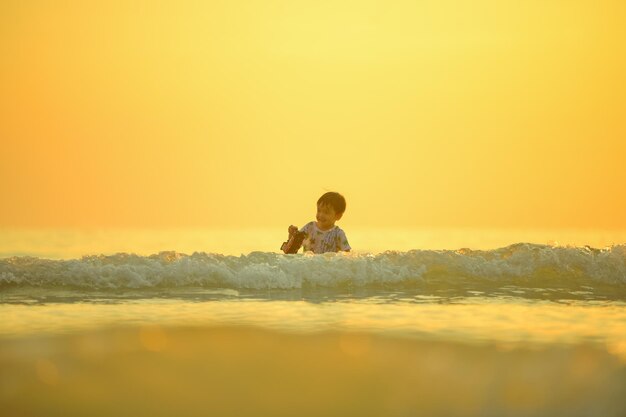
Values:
[(522, 263)]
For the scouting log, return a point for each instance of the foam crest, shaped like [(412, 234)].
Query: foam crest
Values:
[(522, 263)]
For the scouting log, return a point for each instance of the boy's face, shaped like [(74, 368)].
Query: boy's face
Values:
[(326, 216)]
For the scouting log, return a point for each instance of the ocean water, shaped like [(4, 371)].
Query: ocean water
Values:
[(433, 323)]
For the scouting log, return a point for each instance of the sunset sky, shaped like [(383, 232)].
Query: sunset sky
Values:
[(227, 114)]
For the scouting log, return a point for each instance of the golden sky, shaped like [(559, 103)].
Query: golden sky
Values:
[(226, 114)]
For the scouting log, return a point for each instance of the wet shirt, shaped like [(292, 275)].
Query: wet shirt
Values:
[(318, 241)]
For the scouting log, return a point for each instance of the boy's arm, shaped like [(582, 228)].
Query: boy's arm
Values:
[(342, 242)]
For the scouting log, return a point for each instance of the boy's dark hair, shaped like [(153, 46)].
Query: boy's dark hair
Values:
[(335, 200)]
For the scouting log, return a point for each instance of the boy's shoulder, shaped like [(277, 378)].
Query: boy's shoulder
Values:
[(339, 230), (308, 227), (312, 226)]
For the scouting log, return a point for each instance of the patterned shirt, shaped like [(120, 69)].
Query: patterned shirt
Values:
[(320, 241)]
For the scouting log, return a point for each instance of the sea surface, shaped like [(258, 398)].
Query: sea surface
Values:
[(433, 323)]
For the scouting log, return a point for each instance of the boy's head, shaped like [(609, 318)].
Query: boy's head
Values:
[(330, 208)]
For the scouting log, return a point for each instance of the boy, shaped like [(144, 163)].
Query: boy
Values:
[(323, 236)]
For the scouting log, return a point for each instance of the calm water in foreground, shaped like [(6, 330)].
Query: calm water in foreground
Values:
[(493, 327)]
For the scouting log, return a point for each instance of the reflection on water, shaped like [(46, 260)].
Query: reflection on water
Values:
[(241, 371), (240, 353), (469, 320)]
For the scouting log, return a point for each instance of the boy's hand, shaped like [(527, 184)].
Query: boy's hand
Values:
[(292, 229)]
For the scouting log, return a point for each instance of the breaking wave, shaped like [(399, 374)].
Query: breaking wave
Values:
[(526, 264)]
